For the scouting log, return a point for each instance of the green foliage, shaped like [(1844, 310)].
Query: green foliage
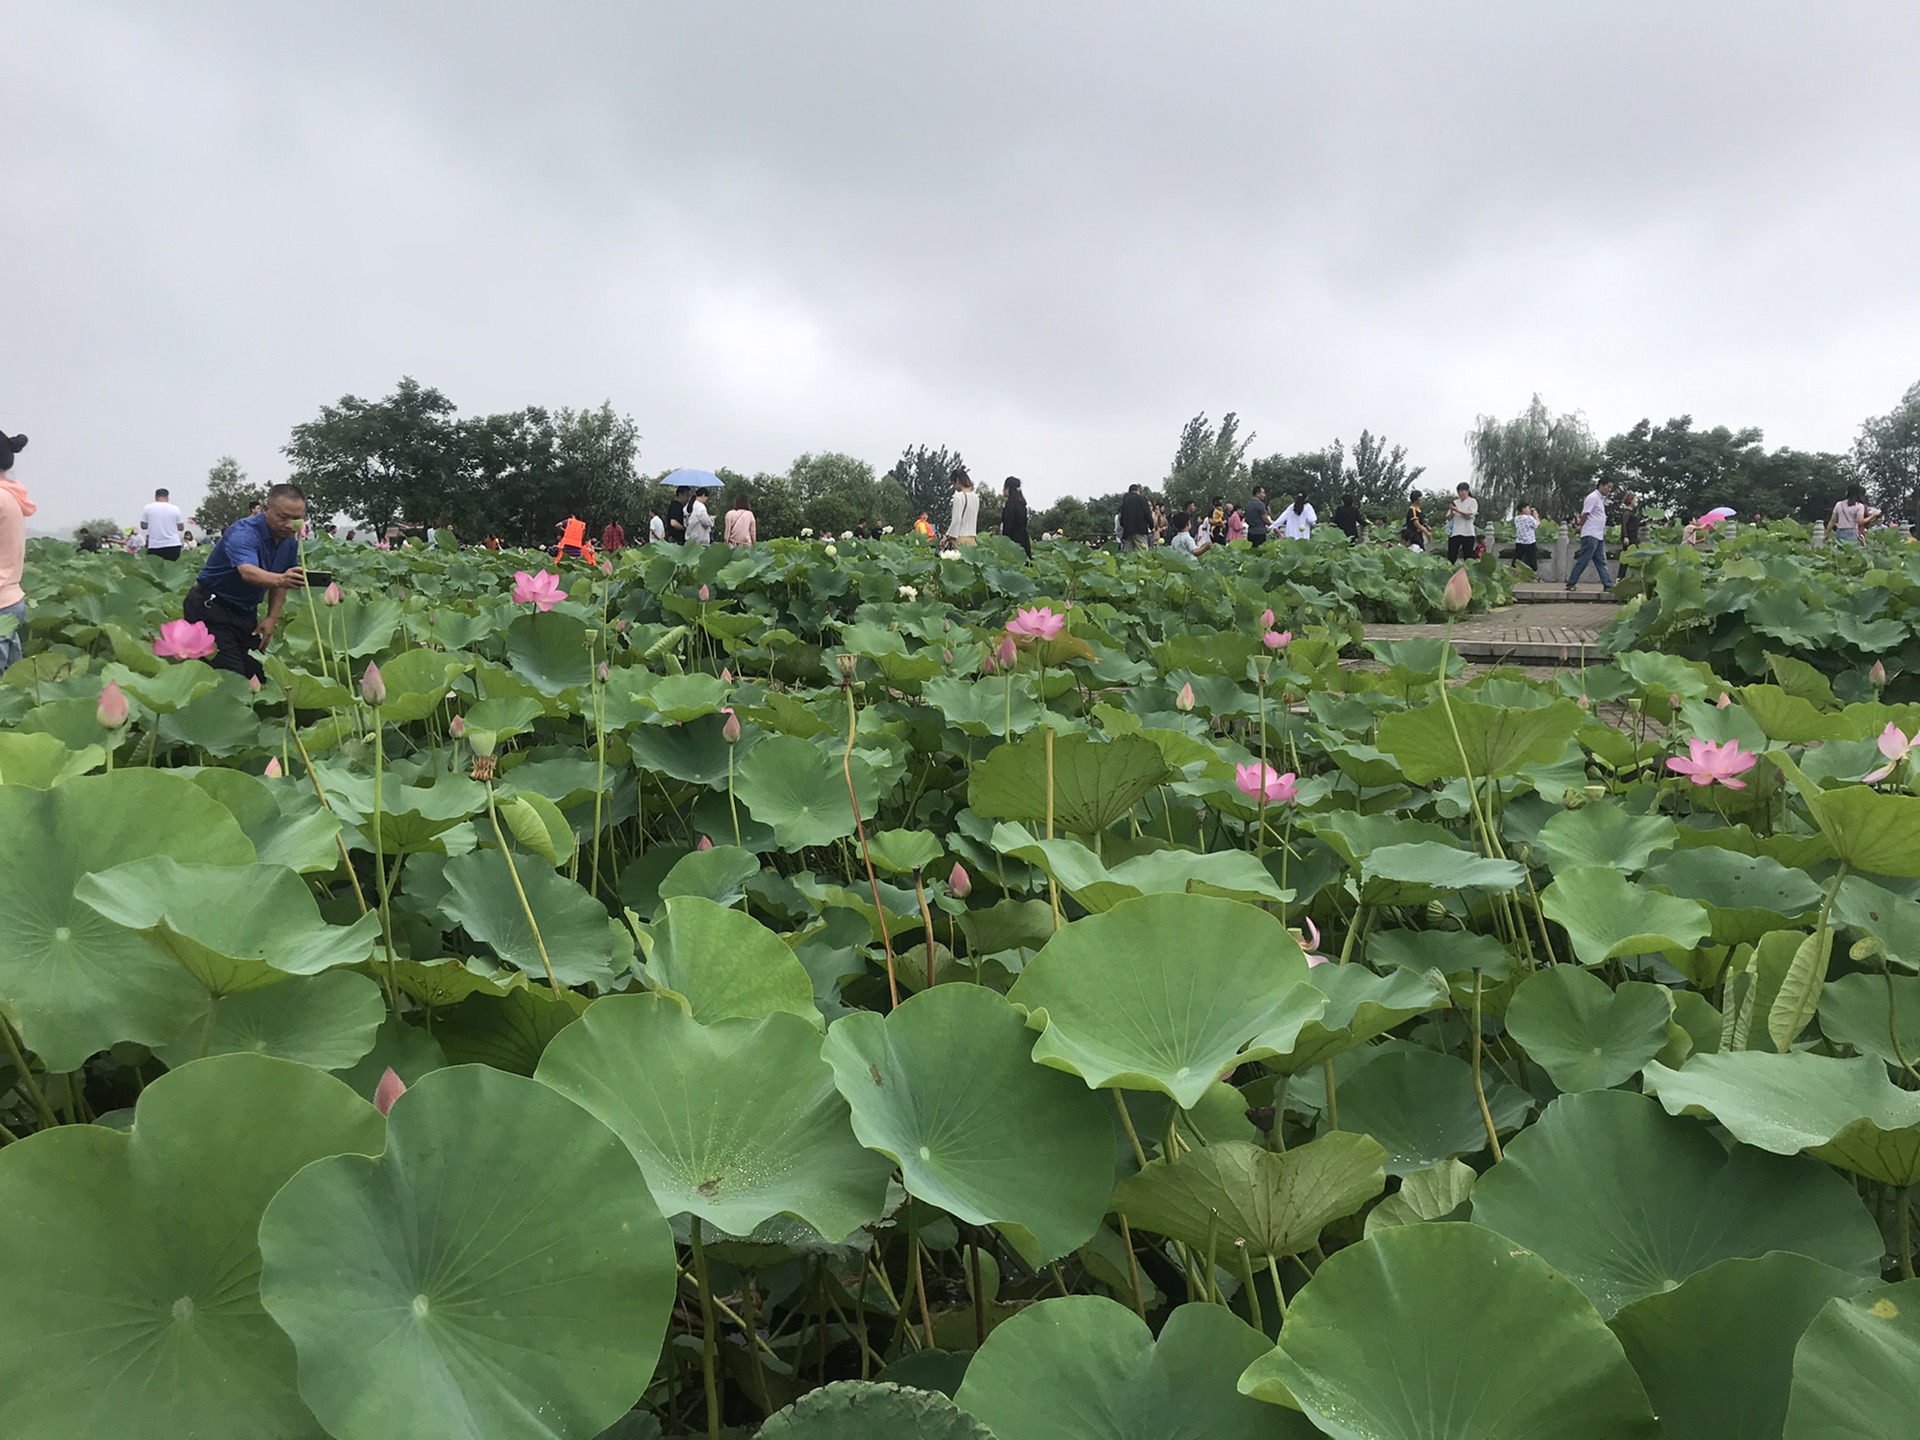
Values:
[(1537, 458), (229, 496)]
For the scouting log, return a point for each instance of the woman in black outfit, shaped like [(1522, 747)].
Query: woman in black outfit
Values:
[(1013, 515)]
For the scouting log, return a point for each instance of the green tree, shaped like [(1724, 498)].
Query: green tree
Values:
[(1886, 455), (1209, 461), (105, 530), (1686, 471), (229, 495), (1319, 473), (925, 478), (1075, 518), (382, 460), (1377, 475), (1538, 456)]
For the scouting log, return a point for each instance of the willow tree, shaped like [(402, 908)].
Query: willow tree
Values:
[(1538, 457)]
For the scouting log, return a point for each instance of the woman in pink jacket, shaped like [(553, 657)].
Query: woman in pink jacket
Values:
[(15, 507)]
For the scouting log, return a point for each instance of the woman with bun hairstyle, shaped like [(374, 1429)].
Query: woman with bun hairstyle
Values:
[(1013, 515), (15, 507), (963, 525)]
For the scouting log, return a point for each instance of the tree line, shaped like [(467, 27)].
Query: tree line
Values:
[(412, 459)]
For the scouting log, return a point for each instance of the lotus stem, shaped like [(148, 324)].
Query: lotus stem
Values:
[(1893, 1033), (926, 918), (1253, 1295), (326, 805), (380, 858), (708, 1338), (1053, 885), (1904, 1228), (979, 1300), (860, 829), (600, 757), (1279, 1295), (1479, 1089), (1333, 1102), (493, 813), (1126, 1123), (25, 1072), (920, 1288), (1133, 1268)]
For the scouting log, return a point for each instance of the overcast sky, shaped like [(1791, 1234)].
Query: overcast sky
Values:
[(1042, 233)]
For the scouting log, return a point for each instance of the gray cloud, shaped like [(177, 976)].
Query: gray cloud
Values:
[(1044, 233)]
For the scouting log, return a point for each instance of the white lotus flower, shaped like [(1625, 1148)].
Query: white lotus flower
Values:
[(846, 534), (832, 550), (807, 534), (907, 592), (886, 529), (949, 554)]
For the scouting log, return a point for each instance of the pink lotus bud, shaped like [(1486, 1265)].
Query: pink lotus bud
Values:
[(373, 689), (333, 595), (987, 667), (959, 883), (274, 771), (602, 672), (705, 594), (112, 713), (726, 675), (730, 732), (390, 1089), (946, 624), (1277, 639), (1673, 702), (1266, 619), (946, 657), (621, 626), (1007, 654), (1183, 702), (1724, 701), (606, 567), (706, 843), (1584, 703), (1878, 675), (1458, 594), (457, 726), (253, 683), (1563, 654)]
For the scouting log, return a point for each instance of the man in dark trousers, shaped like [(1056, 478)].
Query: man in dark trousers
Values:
[(677, 515), (1136, 520), (254, 557), (1259, 518)]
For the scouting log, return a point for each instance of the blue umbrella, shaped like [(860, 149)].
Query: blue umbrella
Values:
[(692, 479)]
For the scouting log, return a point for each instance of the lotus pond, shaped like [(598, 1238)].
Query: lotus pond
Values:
[(863, 994)]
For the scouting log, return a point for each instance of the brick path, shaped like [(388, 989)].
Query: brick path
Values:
[(1549, 627)]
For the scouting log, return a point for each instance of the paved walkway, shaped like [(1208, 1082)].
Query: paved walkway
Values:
[(1548, 626)]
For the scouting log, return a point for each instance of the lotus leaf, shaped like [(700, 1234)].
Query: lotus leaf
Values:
[(550, 650), (864, 1410), (1877, 1015), (1606, 916), (792, 786), (1381, 1345), (327, 1021), (1484, 742), (484, 899), (719, 875), (1605, 835), (285, 830), (1095, 783), (1421, 1106), (726, 965), (1088, 880), (41, 762), (498, 1211), (1584, 1035), (510, 1031), (1422, 871), (1360, 1006), (1746, 896), (1856, 1370)]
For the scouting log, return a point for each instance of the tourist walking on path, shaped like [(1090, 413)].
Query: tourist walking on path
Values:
[(162, 524), (1236, 524), (1460, 518), (1414, 531), (677, 515), (1259, 518), (1013, 514), (1526, 536), (1593, 537), (1348, 519), (1297, 520), (1136, 520), (740, 529), (614, 537), (963, 523), (15, 507), (699, 520), (1852, 516), (255, 557)]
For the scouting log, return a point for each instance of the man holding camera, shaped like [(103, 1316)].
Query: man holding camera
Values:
[(254, 557)]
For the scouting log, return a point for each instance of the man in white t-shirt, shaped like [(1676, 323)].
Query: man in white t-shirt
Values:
[(1460, 517), (162, 522), (1593, 537), (1297, 520)]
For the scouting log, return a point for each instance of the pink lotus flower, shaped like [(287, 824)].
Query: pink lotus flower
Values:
[(332, 594), (1710, 763), (1310, 943), (1895, 745), (606, 567), (1583, 702), (726, 675), (1722, 703), (373, 689), (730, 732), (184, 640), (705, 593), (959, 883), (542, 591), (1266, 619), (112, 711), (274, 772), (1277, 639), (1037, 623), (390, 1089), (1260, 780), (1183, 702), (706, 843), (1458, 593), (1007, 654)]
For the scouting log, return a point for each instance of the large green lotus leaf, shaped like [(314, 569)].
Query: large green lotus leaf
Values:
[(1606, 915), (43, 761), (735, 1122), (868, 1410), (725, 964), (1451, 952), (306, 691), (131, 1261), (1868, 829), (901, 852), (1892, 919), (1856, 1371), (697, 752), (1088, 880), (1746, 896), (981, 709), (499, 1271), (550, 650), (792, 785), (504, 716), (327, 1021), (75, 981), (719, 874), (1583, 1034), (1605, 835), (678, 698), (508, 1032), (1095, 783), (1875, 1014), (223, 923), (1080, 1367), (1660, 674), (417, 683), (1161, 993), (1626, 1201), (1449, 1330), (1716, 1355), (410, 1051), (573, 925), (1497, 741), (1354, 836), (1423, 871), (1239, 1194), (1846, 1112), (946, 1085), (1420, 1105), (361, 627), (1360, 1006), (178, 685), (299, 838)]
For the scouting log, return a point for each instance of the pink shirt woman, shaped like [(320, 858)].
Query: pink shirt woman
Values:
[(1236, 525), (740, 526)]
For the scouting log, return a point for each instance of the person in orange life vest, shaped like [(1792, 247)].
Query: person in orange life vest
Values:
[(923, 527), (573, 536)]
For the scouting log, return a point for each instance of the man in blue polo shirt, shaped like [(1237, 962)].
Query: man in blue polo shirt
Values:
[(254, 557)]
